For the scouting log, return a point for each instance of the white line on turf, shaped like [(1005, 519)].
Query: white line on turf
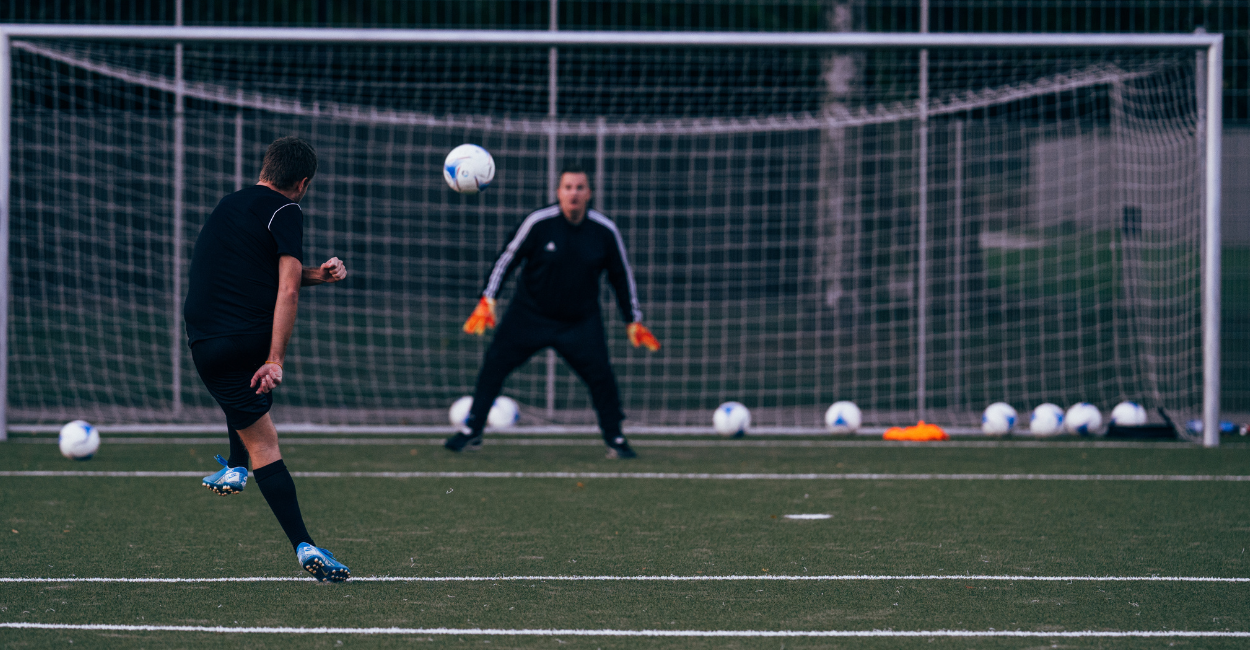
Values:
[(566, 442), (694, 476), (669, 578), (221, 629), (811, 516)]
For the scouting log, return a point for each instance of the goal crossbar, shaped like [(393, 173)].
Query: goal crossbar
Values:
[(1207, 46)]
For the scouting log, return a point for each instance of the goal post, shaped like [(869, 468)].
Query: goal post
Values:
[(789, 310)]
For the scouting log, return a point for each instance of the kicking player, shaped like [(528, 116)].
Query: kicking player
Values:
[(566, 248), (246, 273)]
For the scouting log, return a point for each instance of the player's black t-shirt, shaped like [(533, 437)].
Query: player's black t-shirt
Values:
[(563, 264), (234, 271)]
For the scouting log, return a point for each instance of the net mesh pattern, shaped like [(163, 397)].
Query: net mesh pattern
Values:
[(770, 201)]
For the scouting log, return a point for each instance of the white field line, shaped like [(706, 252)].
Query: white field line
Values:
[(573, 442), (669, 578), (441, 631), (692, 476)]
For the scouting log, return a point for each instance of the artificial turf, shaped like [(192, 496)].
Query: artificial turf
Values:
[(172, 527)]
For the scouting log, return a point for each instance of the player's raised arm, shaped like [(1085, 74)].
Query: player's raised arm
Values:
[(333, 270)]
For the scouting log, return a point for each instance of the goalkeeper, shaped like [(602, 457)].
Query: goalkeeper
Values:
[(566, 248)]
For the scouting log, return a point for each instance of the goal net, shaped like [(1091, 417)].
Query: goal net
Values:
[(920, 234)]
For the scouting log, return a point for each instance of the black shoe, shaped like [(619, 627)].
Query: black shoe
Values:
[(618, 447), (464, 442)]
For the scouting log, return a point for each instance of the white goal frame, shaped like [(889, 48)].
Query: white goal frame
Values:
[(1209, 48)]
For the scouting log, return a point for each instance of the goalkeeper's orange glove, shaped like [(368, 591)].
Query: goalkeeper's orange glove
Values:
[(639, 335), (483, 317)]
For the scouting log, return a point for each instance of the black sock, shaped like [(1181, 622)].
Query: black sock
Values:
[(279, 490), (238, 451)]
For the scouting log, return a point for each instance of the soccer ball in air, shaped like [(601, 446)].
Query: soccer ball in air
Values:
[(79, 440), (1084, 419), (504, 413), (458, 414), (468, 169), (998, 418), (843, 417), (1047, 420), (1128, 414), (731, 419)]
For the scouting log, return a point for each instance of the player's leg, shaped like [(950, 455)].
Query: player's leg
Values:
[(584, 348), (278, 488), (224, 365), (517, 338)]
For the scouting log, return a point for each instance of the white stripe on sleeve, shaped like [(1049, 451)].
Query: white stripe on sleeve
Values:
[(635, 307), (506, 257), (269, 225)]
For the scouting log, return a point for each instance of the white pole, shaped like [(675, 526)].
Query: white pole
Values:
[(6, 142), (179, 190), (922, 218), (552, 38), (1211, 258), (553, 57), (957, 332), (238, 144)]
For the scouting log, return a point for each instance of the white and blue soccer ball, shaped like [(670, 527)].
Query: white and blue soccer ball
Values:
[(504, 413), (731, 419), (998, 418), (1128, 414), (78, 440), (1083, 419), (1047, 420), (468, 169), (843, 417), (458, 414)]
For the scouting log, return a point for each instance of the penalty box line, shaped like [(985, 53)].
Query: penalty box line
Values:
[(695, 476), (657, 578), (442, 631)]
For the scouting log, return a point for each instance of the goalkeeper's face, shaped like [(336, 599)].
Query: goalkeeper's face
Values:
[(574, 195)]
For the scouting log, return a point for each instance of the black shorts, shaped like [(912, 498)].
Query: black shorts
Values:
[(226, 365)]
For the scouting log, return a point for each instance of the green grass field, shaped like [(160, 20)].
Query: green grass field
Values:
[(444, 527)]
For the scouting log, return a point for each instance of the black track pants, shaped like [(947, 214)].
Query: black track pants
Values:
[(581, 343)]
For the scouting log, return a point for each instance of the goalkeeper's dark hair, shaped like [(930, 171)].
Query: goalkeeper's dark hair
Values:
[(573, 168), (288, 161)]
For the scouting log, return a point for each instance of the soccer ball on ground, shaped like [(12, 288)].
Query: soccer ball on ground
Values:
[(468, 169), (1047, 420), (458, 414), (504, 413), (731, 419), (998, 418), (78, 440), (843, 417), (1083, 419), (1128, 414)]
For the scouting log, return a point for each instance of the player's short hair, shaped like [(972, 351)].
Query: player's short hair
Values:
[(288, 161), (573, 168)]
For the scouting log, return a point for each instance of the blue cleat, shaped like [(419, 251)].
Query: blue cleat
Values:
[(321, 563), (227, 481)]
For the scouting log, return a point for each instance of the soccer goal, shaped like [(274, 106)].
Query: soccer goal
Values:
[(920, 223)]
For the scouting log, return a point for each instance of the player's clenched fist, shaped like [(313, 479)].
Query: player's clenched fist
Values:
[(639, 335), (482, 318), (333, 270)]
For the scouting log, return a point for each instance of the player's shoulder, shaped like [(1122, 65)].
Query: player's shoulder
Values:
[(261, 201), (601, 220), (537, 218)]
